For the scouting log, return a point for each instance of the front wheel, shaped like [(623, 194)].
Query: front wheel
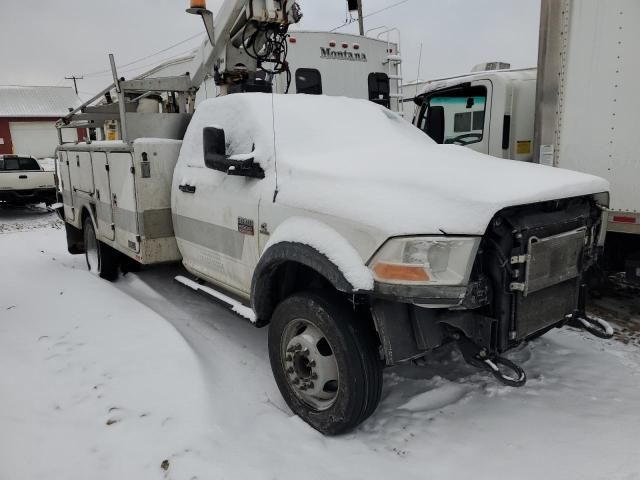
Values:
[(325, 361), (101, 258)]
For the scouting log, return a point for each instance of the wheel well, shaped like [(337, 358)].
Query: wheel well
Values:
[(288, 267), (285, 279), (75, 237), (289, 277), (85, 213)]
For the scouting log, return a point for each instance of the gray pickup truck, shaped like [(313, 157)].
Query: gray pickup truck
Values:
[(23, 181)]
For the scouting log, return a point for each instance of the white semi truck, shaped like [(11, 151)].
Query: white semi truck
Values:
[(301, 213), (578, 110)]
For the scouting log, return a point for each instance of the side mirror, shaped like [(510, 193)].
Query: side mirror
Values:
[(435, 124), (419, 100), (216, 158)]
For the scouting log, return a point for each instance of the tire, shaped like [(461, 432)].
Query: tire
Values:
[(101, 258), (317, 341)]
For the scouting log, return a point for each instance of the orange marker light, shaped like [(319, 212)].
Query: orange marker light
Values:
[(198, 3), (398, 272)]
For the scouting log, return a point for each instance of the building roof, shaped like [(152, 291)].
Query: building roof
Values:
[(23, 101)]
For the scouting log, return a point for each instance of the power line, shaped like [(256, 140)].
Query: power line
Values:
[(182, 42), (389, 7), (147, 65)]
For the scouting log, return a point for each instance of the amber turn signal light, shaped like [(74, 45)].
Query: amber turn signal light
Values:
[(399, 272)]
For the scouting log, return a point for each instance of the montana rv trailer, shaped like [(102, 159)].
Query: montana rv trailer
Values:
[(311, 227), (578, 110), (338, 64)]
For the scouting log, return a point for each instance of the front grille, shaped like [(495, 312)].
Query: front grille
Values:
[(534, 257)]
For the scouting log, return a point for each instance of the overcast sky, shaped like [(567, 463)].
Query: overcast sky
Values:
[(42, 41)]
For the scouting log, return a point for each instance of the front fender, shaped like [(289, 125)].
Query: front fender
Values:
[(316, 246)]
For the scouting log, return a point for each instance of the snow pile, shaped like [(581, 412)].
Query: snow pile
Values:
[(94, 384), (353, 159)]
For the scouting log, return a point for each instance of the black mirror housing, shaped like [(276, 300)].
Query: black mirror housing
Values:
[(216, 158)]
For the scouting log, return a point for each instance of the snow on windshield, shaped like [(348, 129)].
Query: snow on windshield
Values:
[(301, 125)]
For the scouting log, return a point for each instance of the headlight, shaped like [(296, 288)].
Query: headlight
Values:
[(425, 260)]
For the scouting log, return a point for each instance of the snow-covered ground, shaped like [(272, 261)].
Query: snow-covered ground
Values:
[(145, 379)]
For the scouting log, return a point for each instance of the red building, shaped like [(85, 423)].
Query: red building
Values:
[(28, 116)]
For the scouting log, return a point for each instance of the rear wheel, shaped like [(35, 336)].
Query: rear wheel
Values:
[(101, 258), (325, 361)]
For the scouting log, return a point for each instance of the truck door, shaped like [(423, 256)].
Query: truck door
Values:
[(104, 209), (216, 224), (123, 200), (459, 115), (65, 186)]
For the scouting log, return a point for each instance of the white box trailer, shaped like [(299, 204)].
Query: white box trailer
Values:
[(588, 110), (581, 115)]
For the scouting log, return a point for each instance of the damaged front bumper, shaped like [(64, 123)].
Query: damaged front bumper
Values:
[(528, 279)]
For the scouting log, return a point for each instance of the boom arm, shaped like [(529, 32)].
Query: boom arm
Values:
[(244, 35)]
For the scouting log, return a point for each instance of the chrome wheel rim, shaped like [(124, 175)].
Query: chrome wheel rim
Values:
[(310, 365), (91, 247)]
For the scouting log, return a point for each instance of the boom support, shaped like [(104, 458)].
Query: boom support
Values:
[(243, 37)]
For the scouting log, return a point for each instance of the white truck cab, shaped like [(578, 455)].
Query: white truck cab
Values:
[(488, 111)]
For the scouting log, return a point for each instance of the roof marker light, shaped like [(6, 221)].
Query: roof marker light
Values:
[(293, 39), (332, 44), (345, 45), (356, 46)]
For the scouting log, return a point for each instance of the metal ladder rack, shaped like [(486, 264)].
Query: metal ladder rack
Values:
[(93, 113), (394, 70)]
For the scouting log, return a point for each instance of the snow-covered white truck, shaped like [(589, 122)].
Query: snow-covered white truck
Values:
[(578, 110), (23, 181), (356, 254)]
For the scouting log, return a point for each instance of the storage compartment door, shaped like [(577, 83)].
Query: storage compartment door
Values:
[(81, 172), (104, 210), (65, 186), (123, 200)]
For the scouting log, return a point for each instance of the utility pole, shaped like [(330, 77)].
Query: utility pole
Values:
[(354, 5), (360, 18), (75, 83)]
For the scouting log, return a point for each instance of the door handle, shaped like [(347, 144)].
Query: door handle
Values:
[(187, 188), (23, 177)]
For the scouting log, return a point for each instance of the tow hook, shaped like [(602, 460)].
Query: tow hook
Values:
[(579, 319), (595, 326), (480, 358)]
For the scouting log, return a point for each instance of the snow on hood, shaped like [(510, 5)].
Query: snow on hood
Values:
[(356, 160)]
